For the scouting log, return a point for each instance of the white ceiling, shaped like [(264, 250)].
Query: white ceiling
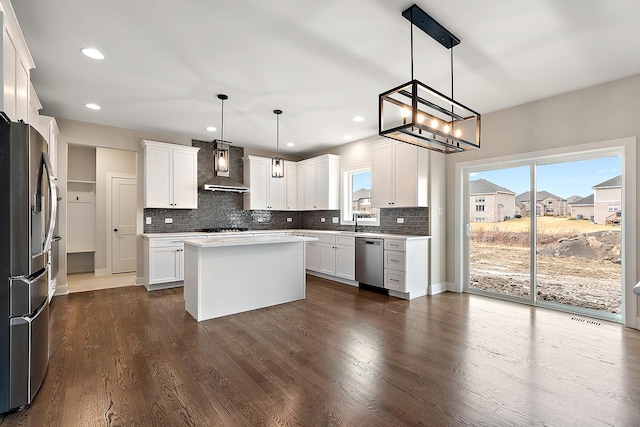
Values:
[(322, 62)]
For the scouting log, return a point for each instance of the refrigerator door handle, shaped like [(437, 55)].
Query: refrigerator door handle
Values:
[(53, 203)]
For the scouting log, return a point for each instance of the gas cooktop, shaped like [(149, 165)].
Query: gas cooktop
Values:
[(223, 229)]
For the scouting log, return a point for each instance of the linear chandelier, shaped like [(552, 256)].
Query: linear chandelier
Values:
[(420, 115)]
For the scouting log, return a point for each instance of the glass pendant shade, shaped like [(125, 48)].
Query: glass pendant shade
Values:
[(277, 162), (221, 158), (277, 167)]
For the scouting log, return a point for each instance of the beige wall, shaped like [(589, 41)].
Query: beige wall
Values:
[(585, 211), (591, 115)]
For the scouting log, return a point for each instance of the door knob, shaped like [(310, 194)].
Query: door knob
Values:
[(115, 229)]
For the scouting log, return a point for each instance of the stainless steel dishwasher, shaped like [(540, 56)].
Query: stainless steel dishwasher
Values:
[(369, 261)]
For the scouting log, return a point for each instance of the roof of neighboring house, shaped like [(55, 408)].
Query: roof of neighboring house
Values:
[(573, 199), (613, 182), (584, 201), (540, 195), (361, 194), (482, 186)]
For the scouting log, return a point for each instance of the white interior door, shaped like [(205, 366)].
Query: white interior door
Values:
[(123, 224)]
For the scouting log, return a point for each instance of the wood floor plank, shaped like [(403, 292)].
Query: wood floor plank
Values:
[(342, 356)]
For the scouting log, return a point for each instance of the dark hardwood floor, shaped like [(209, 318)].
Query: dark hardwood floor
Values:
[(343, 356)]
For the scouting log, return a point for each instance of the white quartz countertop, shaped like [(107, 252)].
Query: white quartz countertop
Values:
[(240, 240), (258, 233)]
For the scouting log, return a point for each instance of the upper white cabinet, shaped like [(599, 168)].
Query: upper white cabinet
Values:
[(319, 183), (16, 68), (266, 192), (399, 175), (170, 175), (291, 184)]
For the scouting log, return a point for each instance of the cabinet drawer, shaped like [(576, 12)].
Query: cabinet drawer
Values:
[(394, 245), (327, 238), (394, 280), (345, 240), (394, 260), (165, 243)]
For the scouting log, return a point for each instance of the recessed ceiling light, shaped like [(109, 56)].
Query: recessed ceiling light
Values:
[(290, 144), (92, 106), (358, 119), (92, 53), (347, 137), (211, 129)]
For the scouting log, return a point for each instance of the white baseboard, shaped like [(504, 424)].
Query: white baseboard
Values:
[(452, 287), (438, 288), (101, 272), (61, 290), (139, 281)]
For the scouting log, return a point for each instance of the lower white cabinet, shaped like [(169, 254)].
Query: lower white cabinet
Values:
[(406, 267), (336, 256), (163, 262), (311, 251)]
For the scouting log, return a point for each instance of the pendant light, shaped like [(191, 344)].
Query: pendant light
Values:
[(277, 162), (417, 114), (220, 146)]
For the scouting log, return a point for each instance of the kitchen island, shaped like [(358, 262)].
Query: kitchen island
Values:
[(232, 274)]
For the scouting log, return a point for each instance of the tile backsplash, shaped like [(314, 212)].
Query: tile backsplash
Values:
[(225, 209)]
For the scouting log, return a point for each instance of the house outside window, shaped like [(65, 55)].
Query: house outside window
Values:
[(479, 208), (479, 199), (613, 208), (356, 197)]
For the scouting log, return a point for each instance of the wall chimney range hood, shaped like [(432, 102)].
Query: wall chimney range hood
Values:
[(224, 183)]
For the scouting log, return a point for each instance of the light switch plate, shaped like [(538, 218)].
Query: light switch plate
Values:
[(400, 220), (334, 220), (168, 220), (322, 220), (148, 220)]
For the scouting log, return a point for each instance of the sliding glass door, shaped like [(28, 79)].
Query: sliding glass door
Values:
[(548, 232)]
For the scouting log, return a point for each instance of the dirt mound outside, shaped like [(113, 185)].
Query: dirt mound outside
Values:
[(600, 245)]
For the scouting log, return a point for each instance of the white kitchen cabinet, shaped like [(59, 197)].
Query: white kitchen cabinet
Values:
[(170, 175), (16, 69), (319, 183), (291, 184), (163, 262), (327, 254), (311, 252), (336, 256), (406, 267), (399, 175), (266, 192)]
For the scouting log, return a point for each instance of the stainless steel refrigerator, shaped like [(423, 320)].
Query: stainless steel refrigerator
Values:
[(27, 220)]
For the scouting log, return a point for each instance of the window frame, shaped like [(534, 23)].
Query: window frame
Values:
[(346, 201)]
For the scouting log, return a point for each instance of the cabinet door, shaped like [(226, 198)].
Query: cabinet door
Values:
[(9, 75), (327, 258), (291, 183), (259, 176), (322, 183), (277, 191), (405, 162), (165, 265), (185, 179), (309, 185), (312, 256), (157, 177), (382, 177), (346, 262)]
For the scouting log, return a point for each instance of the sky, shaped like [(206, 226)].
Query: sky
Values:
[(561, 179), (362, 180)]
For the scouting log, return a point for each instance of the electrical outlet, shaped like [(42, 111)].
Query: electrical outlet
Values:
[(259, 219), (322, 220), (400, 220), (168, 220), (334, 220), (289, 219), (148, 220)]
